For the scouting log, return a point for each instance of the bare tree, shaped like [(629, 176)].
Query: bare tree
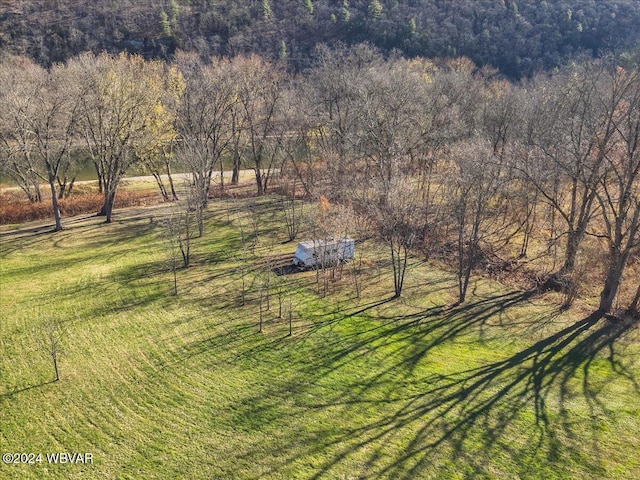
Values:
[(281, 288), (299, 147), (400, 225), (179, 230), (69, 171), (41, 113), (249, 220), (187, 225), (268, 266), (204, 121), (293, 212), (54, 128), (158, 164), (243, 272), (572, 131), (261, 313), (18, 98), (334, 110), (53, 333), (290, 315), (246, 222), (501, 116), (260, 87), (619, 195), (476, 178), (122, 114), (178, 243), (322, 230), (390, 120)]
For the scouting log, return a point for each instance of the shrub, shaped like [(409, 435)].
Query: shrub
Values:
[(14, 209)]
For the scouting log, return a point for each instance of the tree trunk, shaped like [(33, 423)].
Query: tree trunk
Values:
[(574, 239), (464, 273), (617, 262), (163, 189), (171, 185), (206, 187), (260, 330), (394, 262), (107, 207), (399, 257), (235, 175), (464, 284), (37, 194), (258, 175), (200, 219), (100, 177), (54, 202), (62, 184), (633, 308), (466, 265), (221, 177), (68, 192), (175, 275), (55, 365)]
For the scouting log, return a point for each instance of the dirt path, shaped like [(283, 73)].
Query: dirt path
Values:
[(178, 179)]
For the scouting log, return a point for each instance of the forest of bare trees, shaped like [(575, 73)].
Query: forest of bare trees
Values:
[(538, 181)]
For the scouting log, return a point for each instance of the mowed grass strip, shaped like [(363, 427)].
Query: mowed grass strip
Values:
[(158, 386)]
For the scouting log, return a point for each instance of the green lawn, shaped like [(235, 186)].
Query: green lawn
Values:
[(158, 386)]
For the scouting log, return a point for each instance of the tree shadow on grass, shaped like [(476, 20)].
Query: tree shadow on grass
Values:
[(96, 236), (415, 334), (24, 238), (522, 407), (10, 394), (484, 403)]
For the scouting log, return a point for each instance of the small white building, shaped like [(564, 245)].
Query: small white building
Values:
[(324, 252)]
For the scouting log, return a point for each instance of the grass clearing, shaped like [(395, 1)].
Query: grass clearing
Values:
[(157, 386)]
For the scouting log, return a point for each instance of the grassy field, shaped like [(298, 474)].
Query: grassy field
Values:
[(157, 386)]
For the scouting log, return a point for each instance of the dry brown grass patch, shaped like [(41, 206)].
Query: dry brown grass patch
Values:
[(15, 209)]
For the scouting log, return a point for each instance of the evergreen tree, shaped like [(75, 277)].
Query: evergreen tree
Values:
[(375, 9), (309, 6), (266, 9)]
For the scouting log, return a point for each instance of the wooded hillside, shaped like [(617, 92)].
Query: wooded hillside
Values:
[(516, 37)]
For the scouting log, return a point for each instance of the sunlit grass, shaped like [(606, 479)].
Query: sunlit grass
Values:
[(158, 386)]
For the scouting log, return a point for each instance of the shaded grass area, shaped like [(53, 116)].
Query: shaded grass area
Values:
[(157, 386)]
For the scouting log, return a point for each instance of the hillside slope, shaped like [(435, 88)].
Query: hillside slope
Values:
[(516, 37)]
